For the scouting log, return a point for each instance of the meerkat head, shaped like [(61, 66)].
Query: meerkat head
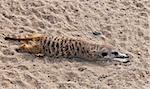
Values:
[(109, 53)]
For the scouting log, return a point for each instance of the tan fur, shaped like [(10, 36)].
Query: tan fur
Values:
[(58, 46)]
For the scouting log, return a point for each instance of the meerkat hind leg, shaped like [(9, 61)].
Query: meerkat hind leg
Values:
[(29, 48)]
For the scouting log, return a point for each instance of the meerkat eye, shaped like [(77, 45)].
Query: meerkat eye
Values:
[(104, 54), (115, 53)]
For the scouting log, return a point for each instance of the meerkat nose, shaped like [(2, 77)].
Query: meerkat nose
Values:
[(127, 56)]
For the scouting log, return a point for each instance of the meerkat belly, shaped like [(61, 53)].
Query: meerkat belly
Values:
[(65, 47)]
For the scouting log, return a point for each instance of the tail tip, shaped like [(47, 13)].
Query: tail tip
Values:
[(6, 38)]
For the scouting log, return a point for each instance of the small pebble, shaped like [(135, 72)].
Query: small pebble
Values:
[(97, 33), (82, 68), (139, 53)]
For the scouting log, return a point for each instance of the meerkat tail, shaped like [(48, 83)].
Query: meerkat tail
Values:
[(24, 38), (17, 38)]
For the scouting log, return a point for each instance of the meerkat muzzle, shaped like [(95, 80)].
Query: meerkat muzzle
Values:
[(121, 57)]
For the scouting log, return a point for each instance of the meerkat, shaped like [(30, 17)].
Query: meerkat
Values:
[(61, 46)]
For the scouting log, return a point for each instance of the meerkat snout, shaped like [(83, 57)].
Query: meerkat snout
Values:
[(121, 57), (109, 53)]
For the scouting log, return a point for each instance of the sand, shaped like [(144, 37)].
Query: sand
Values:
[(124, 23)]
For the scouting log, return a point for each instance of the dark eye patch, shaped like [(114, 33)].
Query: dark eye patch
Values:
[(115, 53), (104, 54)]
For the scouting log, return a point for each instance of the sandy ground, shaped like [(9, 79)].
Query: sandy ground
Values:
[(125, 24)]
